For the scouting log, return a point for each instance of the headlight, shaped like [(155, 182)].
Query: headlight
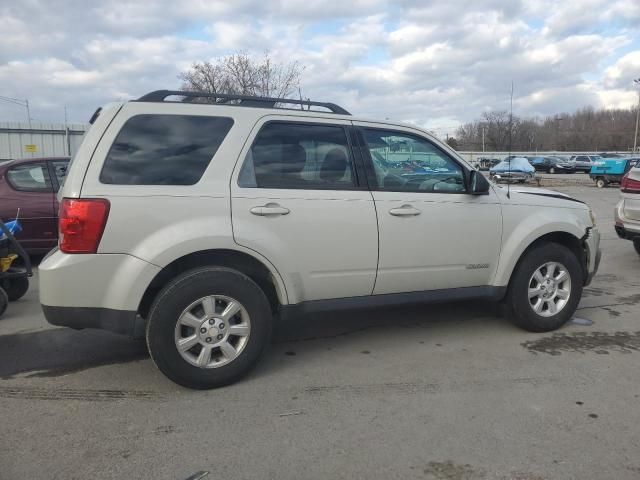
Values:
[(593, 217)]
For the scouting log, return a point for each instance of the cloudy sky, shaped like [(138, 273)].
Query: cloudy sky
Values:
[(433, 63)]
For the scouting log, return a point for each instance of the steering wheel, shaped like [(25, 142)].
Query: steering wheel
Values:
[(447, 181)]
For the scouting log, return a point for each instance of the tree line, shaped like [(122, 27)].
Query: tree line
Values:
[(586, 129)]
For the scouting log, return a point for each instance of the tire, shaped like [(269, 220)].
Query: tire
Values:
[(601, 182), (552, 170), (636, 245), (4, 301), (521, 308), (174, 304), (15, 287)]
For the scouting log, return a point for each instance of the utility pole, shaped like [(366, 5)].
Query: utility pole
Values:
[(635, 137), (482, 139), (26, 104), (22, 103)]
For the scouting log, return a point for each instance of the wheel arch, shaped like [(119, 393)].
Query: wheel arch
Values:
[(267, 278), (562, 237)]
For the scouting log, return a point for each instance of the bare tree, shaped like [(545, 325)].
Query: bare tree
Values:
[(452, 142), (243, 74)]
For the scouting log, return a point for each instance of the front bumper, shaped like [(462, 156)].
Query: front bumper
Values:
[(594, 254)]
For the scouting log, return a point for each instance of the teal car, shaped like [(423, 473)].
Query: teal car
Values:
[(611, 170)]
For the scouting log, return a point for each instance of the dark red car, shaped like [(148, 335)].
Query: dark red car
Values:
[(31, 186)]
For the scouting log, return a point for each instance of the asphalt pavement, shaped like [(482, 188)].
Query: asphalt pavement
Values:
[(429, 392)]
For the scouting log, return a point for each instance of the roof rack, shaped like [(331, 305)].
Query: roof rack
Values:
[(243, 100)]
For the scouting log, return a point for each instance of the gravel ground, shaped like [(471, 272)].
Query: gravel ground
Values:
[(429, 392)]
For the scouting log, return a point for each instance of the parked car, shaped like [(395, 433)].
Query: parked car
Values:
[(627, 211), (29, 186), (485, 163), (551, 165), (515, 169), (194, 223), (583, 163), (611, 170)]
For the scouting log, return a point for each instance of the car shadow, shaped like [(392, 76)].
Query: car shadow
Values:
[(56, 352), (61, 351), (336, 324)]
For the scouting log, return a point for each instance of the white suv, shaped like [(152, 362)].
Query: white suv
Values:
[(196, 222)]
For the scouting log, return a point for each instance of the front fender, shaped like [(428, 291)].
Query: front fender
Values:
[(522, 227)]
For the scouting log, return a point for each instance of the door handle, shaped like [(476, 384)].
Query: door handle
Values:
[(269, 209), (404, 211)]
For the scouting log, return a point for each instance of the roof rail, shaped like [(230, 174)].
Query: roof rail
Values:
[(243, 100)]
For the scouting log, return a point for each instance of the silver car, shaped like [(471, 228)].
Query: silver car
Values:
[(583, 163), (627, 212)]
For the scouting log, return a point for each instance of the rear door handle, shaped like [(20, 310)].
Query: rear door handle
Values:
[(404, 211), (269, 209)]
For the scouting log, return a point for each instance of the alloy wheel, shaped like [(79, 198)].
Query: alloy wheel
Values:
[(549, 289), (212, 331)]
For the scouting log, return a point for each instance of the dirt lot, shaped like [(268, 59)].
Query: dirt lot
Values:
[(429, 392)]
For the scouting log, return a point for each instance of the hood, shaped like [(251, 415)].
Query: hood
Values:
[(538, 192)]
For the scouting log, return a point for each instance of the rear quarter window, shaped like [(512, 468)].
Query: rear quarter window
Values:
[(29, 177), (164, 149)]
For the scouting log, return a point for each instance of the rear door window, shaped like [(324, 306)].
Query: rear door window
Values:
[(30, 177), (164, 149), (299, 156)]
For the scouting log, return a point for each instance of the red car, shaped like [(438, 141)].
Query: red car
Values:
[(31, 186)]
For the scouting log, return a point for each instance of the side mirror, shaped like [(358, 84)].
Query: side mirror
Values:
[(479, 184)]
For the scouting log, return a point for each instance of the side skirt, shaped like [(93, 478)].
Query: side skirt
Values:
[(393, 299)]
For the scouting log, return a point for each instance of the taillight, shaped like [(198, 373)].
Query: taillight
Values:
[(81, 224), (629, 185)]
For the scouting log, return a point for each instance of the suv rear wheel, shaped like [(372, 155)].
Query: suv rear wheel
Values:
[(208, 327), (545, 288)]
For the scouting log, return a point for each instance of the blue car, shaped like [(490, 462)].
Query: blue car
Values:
[(514, 169)]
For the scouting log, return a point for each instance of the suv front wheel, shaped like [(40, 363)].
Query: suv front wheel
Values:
[(208, 327), (545, 288)]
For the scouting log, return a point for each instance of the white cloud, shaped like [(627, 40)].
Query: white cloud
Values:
[(433, 63), (622, 73)]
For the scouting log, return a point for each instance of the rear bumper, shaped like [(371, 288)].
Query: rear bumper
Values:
[(626, 228), (94, 291), (117, 321), (626, 233)]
